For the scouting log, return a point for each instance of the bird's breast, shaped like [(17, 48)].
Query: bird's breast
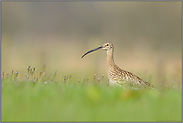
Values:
[(115, 76)]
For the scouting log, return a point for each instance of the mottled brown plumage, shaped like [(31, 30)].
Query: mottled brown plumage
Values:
[(116, 75)]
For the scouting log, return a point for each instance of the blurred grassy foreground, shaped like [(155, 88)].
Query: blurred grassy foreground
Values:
[(72, 100)]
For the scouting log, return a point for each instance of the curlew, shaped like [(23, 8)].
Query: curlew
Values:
[(116, 75)]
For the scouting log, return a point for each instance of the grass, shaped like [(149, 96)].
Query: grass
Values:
[(68, 99)]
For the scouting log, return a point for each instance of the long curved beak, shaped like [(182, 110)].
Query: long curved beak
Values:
[(92, 51)]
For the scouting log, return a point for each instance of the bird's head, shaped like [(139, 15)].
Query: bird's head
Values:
[(106, 46)]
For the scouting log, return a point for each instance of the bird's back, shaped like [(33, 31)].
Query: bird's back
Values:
[(121, 77)]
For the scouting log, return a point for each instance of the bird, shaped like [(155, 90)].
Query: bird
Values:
[(118, 76)]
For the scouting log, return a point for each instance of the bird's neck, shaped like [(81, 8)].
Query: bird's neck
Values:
[(110, 58)]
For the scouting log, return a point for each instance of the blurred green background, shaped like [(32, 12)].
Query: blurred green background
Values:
[(146, 37)]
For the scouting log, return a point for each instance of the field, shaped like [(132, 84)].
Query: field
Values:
[(70, 99), (52, 36)]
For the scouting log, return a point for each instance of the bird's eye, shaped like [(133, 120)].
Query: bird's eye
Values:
[(107, 45)]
